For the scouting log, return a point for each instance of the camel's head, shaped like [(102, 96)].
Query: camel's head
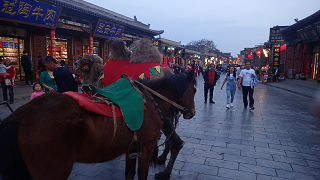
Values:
[(118, 49), (88, 60), (143, 50)]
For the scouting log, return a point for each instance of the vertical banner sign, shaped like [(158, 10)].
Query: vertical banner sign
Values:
[(91, 44), (276, 56), (53, 43)]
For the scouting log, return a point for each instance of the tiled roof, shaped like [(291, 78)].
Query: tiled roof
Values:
[(89, 8), (313, 18)]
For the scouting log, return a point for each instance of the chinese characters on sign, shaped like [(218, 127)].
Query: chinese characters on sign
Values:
[(29, 11), (275, 36), (108, 29), (276, 56)]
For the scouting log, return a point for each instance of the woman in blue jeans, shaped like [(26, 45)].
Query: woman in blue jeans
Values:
[(232, 84)]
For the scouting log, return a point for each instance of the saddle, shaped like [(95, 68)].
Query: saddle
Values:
[(122, 94)]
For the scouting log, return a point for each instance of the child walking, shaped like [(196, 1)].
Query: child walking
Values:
[(37, 91), (232, 84)]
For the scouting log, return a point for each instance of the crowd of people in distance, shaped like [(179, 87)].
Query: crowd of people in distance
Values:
[(236, 77)]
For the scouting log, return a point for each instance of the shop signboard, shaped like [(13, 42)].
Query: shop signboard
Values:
[(308, 34), (275, 36), (29, 12), (318, 27), (106, 29), (276, 56)]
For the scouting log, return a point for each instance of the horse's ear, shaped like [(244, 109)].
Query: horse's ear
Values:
[(191, 75)]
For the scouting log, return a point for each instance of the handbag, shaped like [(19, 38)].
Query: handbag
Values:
[(7, 82)]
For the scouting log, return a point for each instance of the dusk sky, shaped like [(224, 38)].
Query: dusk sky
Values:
[(232, 24)]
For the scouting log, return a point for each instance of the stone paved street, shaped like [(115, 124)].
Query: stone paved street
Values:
[(278, 140)]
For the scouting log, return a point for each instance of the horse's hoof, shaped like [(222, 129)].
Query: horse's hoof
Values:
[(161, 176), (161, 160)]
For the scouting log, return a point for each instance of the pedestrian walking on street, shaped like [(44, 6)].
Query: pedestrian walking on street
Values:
[(62, 75), (232, 83), (37, 91), (27, 67), (246, 79), (210, 78), (6, 82)]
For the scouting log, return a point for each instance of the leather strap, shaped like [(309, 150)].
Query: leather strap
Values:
[(159, 95)]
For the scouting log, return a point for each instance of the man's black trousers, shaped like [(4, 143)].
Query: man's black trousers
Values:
[(206, 88), (245, 91), (28, 75)]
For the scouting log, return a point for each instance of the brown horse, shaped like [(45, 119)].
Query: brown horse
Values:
[(143, 51), (43, 138)]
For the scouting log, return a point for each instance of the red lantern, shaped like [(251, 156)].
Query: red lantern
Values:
[(258, 53), (283, 48)]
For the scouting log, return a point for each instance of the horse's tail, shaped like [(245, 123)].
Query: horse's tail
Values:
[(154, 157), (12, 166)]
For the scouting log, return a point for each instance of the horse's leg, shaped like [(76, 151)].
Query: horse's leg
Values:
[(130, 168), (163, 157), (144, 160), (167, 130), (176, 145)]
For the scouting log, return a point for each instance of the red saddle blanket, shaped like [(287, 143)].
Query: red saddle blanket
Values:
[(89, 105)]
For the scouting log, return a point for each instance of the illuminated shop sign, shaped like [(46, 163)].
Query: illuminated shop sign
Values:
[(105, 29), (29, 12), (276, 56)]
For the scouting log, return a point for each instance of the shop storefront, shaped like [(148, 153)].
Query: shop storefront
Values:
[(12, 42), (12, 48), (96, 47), (302, 48), (61, 51)]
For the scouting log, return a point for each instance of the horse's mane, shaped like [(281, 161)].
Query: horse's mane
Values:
[(143, 50), (118, 50)]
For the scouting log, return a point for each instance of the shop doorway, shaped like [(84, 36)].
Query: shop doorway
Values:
[(316, 67), (12, 48)]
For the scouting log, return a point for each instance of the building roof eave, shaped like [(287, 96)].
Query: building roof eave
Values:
[(302, 23), (94, 10)]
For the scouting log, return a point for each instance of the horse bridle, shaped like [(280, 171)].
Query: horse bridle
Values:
[(160, 96)]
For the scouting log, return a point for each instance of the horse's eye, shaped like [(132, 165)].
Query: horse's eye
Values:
[(195, 90), (90, 61)]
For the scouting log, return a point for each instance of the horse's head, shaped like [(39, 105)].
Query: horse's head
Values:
[(89, 60), (187, 99)]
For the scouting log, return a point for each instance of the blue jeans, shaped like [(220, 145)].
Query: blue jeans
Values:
[(230, 92), (5, 93)]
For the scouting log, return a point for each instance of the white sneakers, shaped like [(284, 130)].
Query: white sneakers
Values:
[(229, 105)]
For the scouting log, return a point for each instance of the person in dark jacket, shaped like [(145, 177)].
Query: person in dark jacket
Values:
[(210, 78), (62, 75), (26, 64)]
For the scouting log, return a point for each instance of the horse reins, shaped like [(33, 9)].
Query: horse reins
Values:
[(159, 95)]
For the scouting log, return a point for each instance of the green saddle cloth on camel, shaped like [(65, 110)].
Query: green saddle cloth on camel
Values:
[(128, 99)]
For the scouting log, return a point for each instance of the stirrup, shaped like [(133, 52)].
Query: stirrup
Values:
[(134, 155)]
